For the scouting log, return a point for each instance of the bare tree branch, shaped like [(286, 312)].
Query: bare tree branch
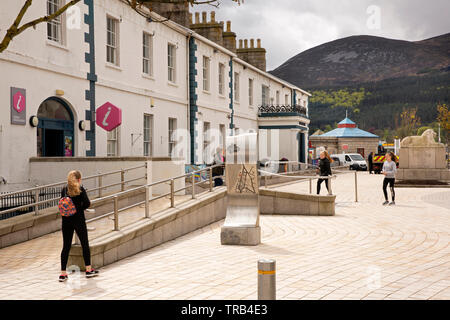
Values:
[(15, 30), (138, 6)]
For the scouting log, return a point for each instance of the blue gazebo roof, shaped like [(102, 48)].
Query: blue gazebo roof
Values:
[(346, 121), (347, 129), (349, 133)]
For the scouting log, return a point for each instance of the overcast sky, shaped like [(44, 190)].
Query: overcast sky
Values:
[(288, 27)]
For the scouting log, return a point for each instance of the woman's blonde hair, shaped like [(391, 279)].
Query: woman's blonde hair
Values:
[(73, 184), (325, 152)]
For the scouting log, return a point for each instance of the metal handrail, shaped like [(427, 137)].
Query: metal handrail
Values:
[(119, 194), (65, 182), (149, 198), (310, 178)]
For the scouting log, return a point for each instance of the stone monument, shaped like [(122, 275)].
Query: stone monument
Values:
[(241, 225), (422, 160)]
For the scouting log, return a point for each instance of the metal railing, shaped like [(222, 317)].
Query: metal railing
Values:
[(171, 181), (310, 179), (300, 178), (36, 193), (288, 167)]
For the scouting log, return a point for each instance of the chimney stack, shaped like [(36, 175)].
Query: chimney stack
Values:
[(178, 12), (212, 30), (254, 56)]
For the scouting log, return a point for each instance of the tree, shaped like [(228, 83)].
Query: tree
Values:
[(344, 98), (444, 119), (409, 121), (421, 130), (138, 5)]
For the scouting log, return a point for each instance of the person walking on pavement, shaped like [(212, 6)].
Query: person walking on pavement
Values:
[(324, 169), (370, 162), (217, 172), (77, 223), (389, 170)]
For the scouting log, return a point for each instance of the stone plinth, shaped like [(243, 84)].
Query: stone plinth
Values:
[(243, 236), (422, 158), (423, 163)]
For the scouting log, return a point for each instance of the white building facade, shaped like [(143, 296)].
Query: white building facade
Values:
[(180, 94)]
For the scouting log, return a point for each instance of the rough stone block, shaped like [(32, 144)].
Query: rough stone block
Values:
[(266, 205), (110, 256), (152, 239), (44, 228), (129, 248), (14, 237), (240, 236), (96, 261), (326, 208)]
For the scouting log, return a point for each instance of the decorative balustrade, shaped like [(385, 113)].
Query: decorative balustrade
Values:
[(282, 110)]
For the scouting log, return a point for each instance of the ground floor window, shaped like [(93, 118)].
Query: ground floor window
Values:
[(172, 138), (148, 135), (113, 143)]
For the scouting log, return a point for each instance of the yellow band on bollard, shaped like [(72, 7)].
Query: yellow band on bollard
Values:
[(266, 272)]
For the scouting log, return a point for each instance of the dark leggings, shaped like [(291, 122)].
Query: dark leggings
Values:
[(391, 182), (319, 182), (79, 226)]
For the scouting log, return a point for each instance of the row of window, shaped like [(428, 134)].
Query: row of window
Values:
[(113, 138), (265, 89), (55, 33)]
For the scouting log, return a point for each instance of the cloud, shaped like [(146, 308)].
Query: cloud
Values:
[(288, 27)]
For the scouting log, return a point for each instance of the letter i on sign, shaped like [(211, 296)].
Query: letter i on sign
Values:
[(106, 117)]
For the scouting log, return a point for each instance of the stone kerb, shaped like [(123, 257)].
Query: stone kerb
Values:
[(287, 203)]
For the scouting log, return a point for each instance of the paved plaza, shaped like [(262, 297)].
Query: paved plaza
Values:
[(366, 251)]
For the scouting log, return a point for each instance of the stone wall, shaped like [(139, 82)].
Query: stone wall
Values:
[(334, 145), (161, 227), (287, 203)]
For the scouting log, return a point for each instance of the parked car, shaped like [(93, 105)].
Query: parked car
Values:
[(336, 162), (354, 161)]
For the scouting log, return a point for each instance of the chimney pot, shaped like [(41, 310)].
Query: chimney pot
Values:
[(258, 43), (197, 17), (246, 44), (213, 16), (252, 43), (228, 26), (204, 20), (240, 43), (190, 18)]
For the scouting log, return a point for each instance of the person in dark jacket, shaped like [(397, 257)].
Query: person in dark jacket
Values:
[(76, 223), (324, 169), (370, 158)]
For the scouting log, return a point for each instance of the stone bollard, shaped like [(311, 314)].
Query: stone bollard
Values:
[(266, 280)]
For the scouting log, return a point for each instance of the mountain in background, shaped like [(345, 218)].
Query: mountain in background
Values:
[(393, 74), (357, 59)]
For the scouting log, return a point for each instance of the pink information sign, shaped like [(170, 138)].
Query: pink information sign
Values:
[(108, 116), (19, 102)]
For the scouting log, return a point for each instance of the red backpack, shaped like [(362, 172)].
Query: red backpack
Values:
[(66, 206)]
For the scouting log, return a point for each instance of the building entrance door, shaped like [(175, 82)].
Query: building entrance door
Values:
[(53, 143), (55, 135)]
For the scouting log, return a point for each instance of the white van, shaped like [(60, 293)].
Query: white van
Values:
[(352, 160)]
